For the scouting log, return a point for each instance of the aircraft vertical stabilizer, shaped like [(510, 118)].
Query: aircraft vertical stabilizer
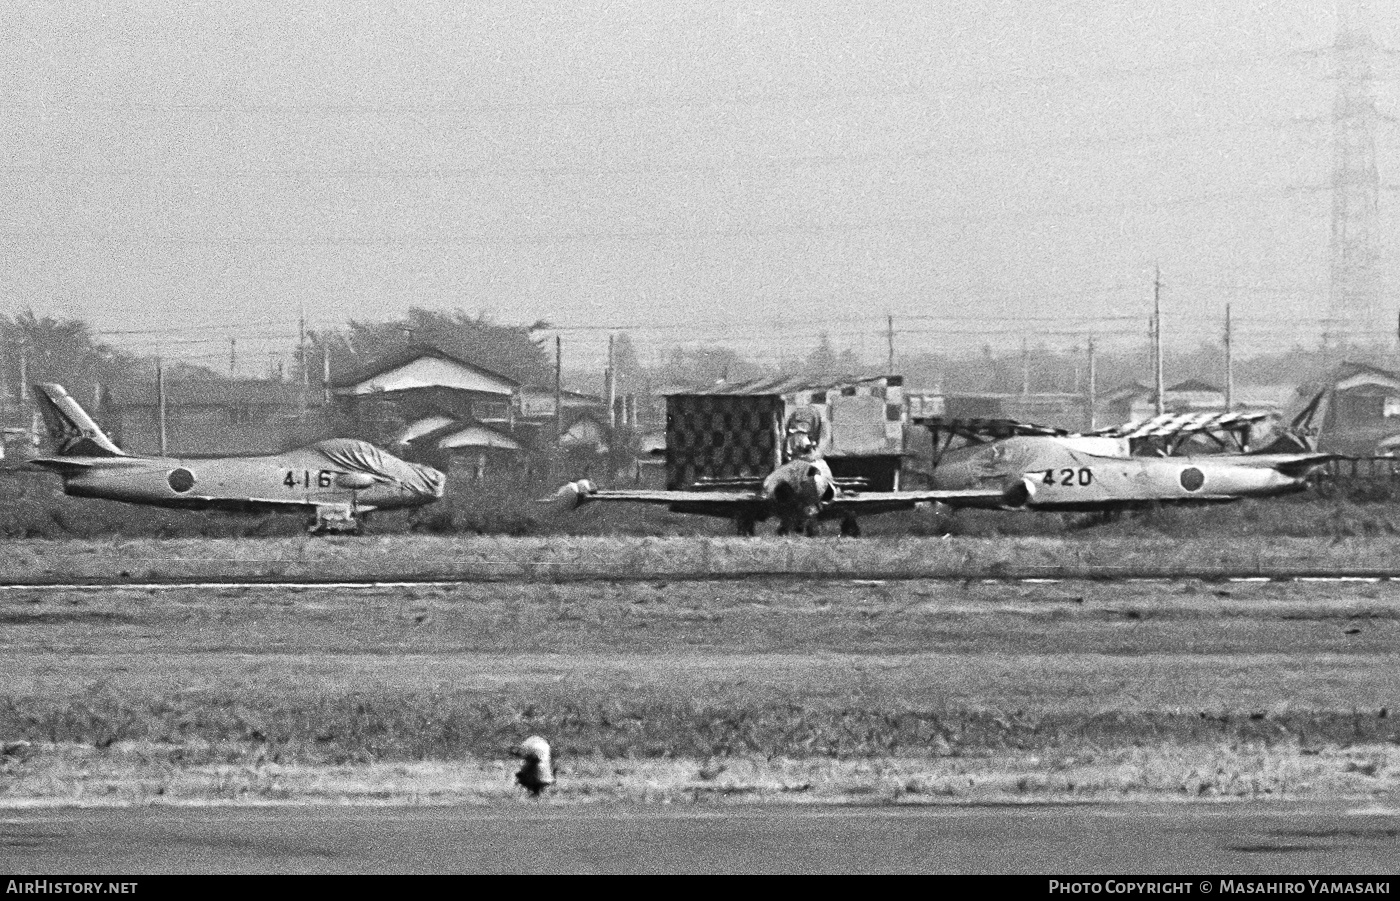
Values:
[(73, 432)]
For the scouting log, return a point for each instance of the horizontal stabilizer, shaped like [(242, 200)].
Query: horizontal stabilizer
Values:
[(1304, 464), (60, 465)]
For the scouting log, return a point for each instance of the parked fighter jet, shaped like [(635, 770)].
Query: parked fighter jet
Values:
[(1060, 472), (799, 494), (335, 480)]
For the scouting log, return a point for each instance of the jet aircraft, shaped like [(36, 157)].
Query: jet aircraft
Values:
[(1096, 473), (336, 480), (799, 494)]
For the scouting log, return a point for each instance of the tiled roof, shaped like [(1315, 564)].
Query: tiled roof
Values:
[(397, 359)]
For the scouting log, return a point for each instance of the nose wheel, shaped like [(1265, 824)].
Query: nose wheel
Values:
[(745, 527), (850, 527)]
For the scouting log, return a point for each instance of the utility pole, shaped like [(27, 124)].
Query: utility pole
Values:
[(610, 383), (1229, 364), (232, 356), (558, 391), (33, 433), (160, 402), (1157, 339), (1025, 367), (302, 362), (889, 338), (1093, 385)]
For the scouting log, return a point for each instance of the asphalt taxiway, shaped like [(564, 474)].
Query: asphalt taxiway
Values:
[(1226, 839)]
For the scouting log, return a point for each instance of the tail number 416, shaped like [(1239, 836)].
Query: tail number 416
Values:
[(1067, 477), (306, 478)]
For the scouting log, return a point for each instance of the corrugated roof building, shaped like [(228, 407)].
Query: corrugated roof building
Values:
[(1351, 411)]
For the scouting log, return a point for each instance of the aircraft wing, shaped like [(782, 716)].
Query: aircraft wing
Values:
[(255, 503), (705, 503), (868, 502), (671, 497)]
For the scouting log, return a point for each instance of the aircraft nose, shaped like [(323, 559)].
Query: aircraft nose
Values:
[(434, 480), (817, 486)]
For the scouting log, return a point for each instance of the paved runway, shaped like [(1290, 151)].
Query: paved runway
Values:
[(98, 586), (1220, 839)]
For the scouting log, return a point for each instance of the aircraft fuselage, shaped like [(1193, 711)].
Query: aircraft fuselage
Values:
[(1059, 477), (299, 478)]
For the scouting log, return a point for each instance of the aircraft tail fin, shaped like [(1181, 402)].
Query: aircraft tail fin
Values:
[(72, 430)]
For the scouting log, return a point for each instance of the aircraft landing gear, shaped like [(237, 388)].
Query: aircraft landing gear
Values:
[(338, 519), (745, 527), (850, 527)]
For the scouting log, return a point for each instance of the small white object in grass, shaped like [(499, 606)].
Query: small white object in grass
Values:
[(538, 772)]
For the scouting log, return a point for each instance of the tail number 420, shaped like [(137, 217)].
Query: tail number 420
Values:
[(1068, 477), (304, 478)]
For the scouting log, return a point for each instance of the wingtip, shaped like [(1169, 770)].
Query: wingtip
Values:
[(570, 496)]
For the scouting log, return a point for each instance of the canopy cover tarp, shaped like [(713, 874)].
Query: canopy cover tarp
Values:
[(361, 456)]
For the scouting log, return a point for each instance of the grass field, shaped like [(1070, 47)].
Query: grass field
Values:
[(652, 690), (565, 558)]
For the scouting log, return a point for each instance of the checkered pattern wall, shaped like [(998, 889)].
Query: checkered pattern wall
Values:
[(720, 436), (882, 428)]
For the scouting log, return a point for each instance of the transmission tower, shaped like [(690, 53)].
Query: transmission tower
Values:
[(1355, 271)]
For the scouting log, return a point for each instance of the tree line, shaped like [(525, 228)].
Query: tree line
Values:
[(37, 348)]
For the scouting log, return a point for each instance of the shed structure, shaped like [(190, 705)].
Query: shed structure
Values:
[(421, 389), (444, 410), (1354, 410), (743, 430), (214, 417)]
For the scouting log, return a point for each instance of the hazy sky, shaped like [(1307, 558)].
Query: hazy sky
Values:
[(741, 172)]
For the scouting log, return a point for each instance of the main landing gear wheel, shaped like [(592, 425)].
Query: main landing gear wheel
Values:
[(850, 528), (745, 527), (336, 520)]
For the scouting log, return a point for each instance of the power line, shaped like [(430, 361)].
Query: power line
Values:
[(728, 165), (200, 327), (782, 99)]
